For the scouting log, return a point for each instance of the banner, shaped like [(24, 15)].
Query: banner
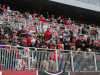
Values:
[(53, 73), (85, 73), (18, 72)]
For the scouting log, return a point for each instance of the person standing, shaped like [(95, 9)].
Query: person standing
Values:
[(78, 43), (24, 33), (65, 34), (3, 9), (48, 34), (65, 21), (41, 18), (66, 44), (47, 16)]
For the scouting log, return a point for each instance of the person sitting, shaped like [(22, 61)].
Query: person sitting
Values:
[(5, 39), (1, 42), (7, 30)]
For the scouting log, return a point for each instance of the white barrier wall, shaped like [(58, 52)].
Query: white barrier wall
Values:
[(79, 3)]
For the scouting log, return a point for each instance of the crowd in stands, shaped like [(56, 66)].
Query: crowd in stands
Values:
[(81, 39), (67, 40)]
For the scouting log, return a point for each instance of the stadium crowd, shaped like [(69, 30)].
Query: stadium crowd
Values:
[(80, 39), (67, 40)]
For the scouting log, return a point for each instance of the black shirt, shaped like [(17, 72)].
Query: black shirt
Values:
[(78, 44), (66, 45)]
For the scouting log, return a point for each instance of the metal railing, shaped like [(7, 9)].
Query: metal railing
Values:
[(30, 58)]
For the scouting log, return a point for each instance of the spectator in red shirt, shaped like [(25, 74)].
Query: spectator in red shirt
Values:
[(3, 9), (47, 34), (65, 21), (41, 18), (29, 40)]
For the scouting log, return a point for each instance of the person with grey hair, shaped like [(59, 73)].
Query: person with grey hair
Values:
[(15, 40), (65, 34), (5, 40), (86, 44), (32, 43)]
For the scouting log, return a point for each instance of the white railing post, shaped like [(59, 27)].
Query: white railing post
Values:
[(37, 28), (28, 58), (56, 60), (72, 61), (10, 47), (96, 37), (65, 27), (95, 62), (19, 25)]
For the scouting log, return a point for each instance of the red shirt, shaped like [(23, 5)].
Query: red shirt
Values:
[(53, 56), (28, 41), (66, 22), (33, 15), (41, 19), (3, 9), (10, 38), (58, 44), (47, 34), (51, 46)]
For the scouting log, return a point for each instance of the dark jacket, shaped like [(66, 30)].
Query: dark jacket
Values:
[(7, 31), (86, 45), (66, 45), (78, 44)]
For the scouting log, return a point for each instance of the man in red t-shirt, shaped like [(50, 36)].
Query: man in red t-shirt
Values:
[(3, 9)]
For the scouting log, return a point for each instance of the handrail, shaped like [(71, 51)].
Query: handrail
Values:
[(45, 48)]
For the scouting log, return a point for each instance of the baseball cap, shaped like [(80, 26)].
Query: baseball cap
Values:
[(48, 28), (29, 35), (79, 36)]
